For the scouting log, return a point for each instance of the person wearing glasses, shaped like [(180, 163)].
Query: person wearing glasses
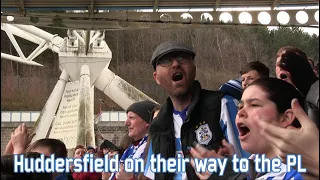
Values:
[(190, 113)]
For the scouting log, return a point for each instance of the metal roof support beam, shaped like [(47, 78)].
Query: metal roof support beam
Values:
[(91, 7), (216, 5), (21, 8), (274, 4), (49, 5), (134, 20), (155, 6)]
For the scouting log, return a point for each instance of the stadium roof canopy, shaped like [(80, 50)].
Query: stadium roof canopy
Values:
[(130, 14), (22, 5)]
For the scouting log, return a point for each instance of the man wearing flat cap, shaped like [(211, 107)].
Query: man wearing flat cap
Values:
[(190, 113), (109, 148), (138, 120)]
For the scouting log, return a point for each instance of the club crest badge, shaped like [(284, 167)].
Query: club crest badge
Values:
[(203, 134)]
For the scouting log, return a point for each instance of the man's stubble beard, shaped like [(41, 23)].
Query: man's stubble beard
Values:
[(182, 92), (179, 92)]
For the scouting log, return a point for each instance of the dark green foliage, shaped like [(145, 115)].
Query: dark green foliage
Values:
[(221, 53)]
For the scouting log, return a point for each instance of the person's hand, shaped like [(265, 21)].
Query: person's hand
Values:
[(100, 136), (71, 168), (106, 175), (122, 174), (304, 140), (201, 152), (20, 139), (226, 149), (9, 148)]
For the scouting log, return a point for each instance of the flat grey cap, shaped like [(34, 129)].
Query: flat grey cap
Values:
[(168, 47)]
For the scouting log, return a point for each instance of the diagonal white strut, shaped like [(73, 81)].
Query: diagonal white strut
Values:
[(44, 40), (79, 49)]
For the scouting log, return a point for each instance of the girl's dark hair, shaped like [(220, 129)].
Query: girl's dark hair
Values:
[(7, 167), (157, 108), (281, 93), (55, 146), (296, 63)]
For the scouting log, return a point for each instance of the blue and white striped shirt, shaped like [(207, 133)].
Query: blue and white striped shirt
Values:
[(227, 122)]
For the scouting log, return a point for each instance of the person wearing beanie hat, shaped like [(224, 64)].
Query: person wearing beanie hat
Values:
[(292, 65), (142, 109), (138, 118), (190, 113)]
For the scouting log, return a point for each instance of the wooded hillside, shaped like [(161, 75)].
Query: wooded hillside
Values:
[(221, 53)]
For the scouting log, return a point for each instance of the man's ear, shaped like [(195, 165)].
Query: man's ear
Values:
[(287, 118), (155, 77), (147, 125)]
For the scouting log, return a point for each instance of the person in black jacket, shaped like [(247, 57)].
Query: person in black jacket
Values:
[(190, 114)]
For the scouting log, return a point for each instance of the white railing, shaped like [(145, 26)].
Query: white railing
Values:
[(32, 116), (113, 116)]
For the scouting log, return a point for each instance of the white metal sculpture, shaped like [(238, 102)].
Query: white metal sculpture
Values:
[(84, 56)]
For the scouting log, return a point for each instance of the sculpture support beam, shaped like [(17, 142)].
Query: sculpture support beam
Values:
[(47, 114), (120, 91), (86, 115)]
